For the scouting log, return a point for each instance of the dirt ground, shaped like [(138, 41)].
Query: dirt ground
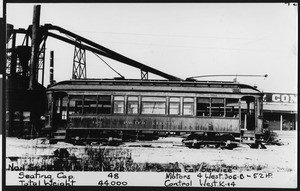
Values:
[(169, 150), (273, 159)]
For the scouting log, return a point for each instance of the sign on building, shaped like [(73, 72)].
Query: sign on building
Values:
[(280, 98)]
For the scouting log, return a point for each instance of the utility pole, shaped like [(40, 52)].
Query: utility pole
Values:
[(51, 67), (34, 46)]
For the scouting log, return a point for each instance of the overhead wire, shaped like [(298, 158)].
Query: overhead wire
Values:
[(71, 38), (109, 65)]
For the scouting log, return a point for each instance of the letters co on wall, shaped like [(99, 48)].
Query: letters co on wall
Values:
[(280, 110), (280, 98)]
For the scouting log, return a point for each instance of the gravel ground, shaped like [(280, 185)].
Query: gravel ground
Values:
[(168, 150), (273, 159)]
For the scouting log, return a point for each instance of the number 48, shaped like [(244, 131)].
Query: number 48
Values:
[(113, 175)]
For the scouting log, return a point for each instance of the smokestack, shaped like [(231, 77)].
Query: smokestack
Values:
[(51, 67), (34, 46)]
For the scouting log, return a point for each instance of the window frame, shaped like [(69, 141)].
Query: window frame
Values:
[(208, 107), (100, 102), (122, 101), (192, 104), (70, 98), (146, 101), (237, 113), (221, 110), (176, 102), (96, 108), (132, 101)]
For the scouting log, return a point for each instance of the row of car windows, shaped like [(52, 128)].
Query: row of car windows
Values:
[(104, 104)]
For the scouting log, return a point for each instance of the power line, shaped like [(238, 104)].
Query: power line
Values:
[(171, 35), (109, 66)]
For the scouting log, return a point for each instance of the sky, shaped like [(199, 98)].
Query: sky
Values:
[(184, 40)]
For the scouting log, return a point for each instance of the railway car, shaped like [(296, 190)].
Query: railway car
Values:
[(209, 112)]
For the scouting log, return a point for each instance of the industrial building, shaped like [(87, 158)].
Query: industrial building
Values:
[(280, 110)]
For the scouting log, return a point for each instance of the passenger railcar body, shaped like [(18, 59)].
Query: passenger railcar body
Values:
[(92, 110)]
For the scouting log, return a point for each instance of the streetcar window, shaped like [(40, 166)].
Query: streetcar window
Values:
[(90, 104), (104, 104), (132, 105), (188, 106), (232, 107), (244, 108), (75, 104), (57, 104), (248, 112), (174, 106), (217, 107), (203, 105), (119, 104), (61, 104), (64, 108), (153, 105), (247, 107), (252, 108)]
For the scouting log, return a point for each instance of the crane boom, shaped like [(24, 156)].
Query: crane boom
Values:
[(98, 49)]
